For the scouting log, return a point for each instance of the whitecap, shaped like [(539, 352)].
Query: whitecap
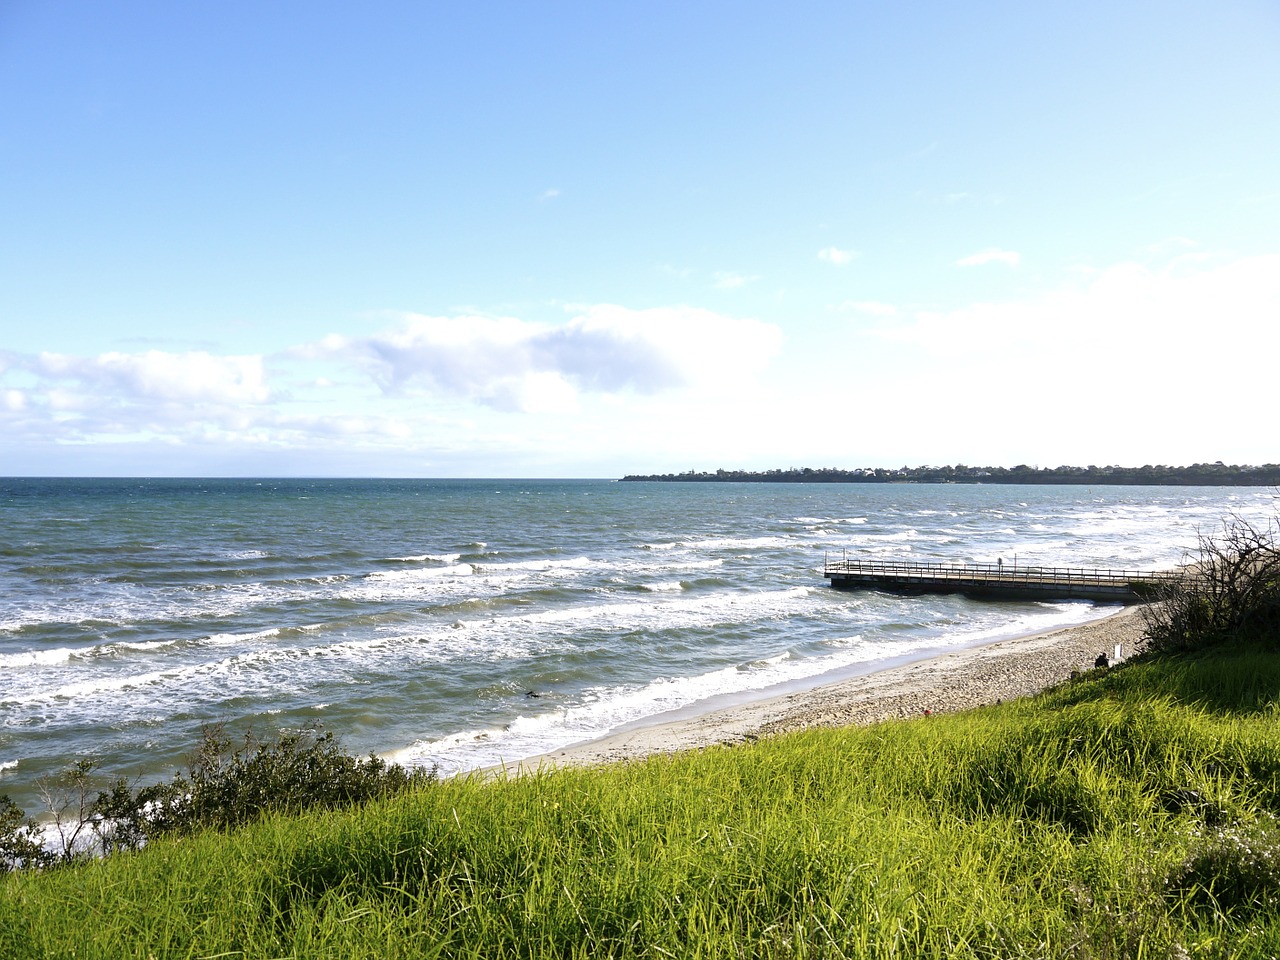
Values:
[(740, 543), (229, 639), (424, 574), (140, 645), (663, 586), (37, 658), (535, 566)]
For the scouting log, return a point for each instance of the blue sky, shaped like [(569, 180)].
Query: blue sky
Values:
[(588, 239)]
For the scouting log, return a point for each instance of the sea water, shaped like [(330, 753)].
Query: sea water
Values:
[(459, 624)]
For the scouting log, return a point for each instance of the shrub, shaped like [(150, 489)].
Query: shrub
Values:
[(1231, 592), (20, 844), (227, 785)]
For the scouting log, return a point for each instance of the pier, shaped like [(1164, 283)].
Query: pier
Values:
[(992, 581)]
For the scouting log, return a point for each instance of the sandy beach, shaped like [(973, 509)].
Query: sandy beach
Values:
[(958, 680)]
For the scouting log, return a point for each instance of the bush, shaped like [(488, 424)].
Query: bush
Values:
[(1231, 592), (20, 844), (226, 786)]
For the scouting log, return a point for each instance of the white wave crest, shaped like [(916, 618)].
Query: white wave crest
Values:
[(663, 586), (428, 573), (37, 658), (740, 543), (230, 639), (534, 566)]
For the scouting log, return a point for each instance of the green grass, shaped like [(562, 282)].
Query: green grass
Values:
[(1129, 814)]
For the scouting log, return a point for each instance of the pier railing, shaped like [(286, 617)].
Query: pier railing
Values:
[(1009, 571), (998, 579)]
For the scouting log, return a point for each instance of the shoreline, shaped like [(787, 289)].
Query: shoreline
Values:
[(946, 683)]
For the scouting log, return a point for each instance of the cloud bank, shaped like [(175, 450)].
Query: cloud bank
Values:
[(424, 379), (1126, 363), (1135, 362)]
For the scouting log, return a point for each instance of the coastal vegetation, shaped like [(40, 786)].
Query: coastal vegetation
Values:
[(1233, 591), (1200, 474), (228, 784), (1129, 812)]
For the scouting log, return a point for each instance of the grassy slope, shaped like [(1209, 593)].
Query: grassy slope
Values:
[(1124, 815)]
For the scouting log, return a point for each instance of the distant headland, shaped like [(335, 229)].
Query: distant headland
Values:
[(1216, 474)]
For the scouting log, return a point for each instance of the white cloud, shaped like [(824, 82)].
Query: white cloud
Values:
[(672, 346), (1129, 358), (550, 193), (66, 401), (1131, 363), (538, 393), (1184, 311), (427, 387), (990, 255), (515, 365), (366, 428), (837, 256), (162, 377), (152, 397)]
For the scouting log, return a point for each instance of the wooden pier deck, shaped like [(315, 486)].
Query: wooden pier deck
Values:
[(997, 581)]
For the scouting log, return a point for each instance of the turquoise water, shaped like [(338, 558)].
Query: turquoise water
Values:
[(459, 623)]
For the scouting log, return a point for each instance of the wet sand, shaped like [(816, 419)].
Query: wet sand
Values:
[(958, 680)]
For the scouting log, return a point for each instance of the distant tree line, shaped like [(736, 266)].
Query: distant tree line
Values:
[(1216, 474)]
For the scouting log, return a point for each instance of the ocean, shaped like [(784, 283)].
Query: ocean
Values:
[(462, 623)]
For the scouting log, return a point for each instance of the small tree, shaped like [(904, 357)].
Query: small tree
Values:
[(68, 796), (1231, 591)]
